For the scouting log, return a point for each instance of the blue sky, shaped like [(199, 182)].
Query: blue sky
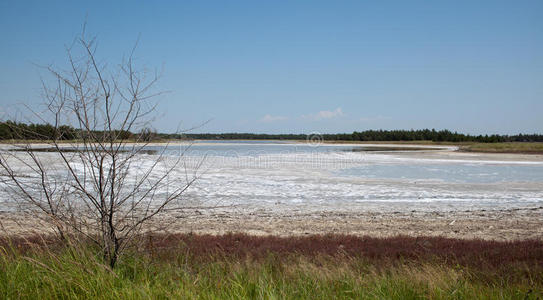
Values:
[(302, 66)]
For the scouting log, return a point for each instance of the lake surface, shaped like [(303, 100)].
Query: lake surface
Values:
[(284, 175), (365, 161), (260, 173)]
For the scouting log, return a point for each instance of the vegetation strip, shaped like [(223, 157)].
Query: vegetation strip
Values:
[(239, 266)]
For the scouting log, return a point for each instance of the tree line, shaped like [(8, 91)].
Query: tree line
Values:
[(10, 130), (380, 135), (20, 131)]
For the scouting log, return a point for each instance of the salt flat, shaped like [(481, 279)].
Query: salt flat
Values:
[(292, 188)]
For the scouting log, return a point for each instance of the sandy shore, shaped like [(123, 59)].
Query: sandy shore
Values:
[(495, 225), (511, 224)]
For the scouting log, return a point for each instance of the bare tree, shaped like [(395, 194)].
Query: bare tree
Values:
[(99, 186)]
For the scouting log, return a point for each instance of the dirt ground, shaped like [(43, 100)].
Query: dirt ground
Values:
[(511, 224)]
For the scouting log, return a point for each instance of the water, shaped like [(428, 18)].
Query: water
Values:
[(249, 148), (363, 161), (271, 173), (453, 172), (283, 176)]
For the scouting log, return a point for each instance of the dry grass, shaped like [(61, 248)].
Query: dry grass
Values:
[(238, 266), (469, 253)]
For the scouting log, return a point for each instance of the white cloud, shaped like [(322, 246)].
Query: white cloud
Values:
[(324, 114), (270, 118)]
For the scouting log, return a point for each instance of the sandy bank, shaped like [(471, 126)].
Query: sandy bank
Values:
[(511, 224)]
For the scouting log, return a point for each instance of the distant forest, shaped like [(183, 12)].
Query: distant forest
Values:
[(380, 135), (10, 130)]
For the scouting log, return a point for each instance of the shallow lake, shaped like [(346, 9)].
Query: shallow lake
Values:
[(286, 175)]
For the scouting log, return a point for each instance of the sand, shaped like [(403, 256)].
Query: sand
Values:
[(512, 224)]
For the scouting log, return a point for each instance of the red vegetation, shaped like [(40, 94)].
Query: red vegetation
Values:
[(453, 251), (475, 253)]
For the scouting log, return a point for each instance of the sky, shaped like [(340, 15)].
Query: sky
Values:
[(300, 66)]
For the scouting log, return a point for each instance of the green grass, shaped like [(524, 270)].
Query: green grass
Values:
[(72, 273), (528, 148)]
